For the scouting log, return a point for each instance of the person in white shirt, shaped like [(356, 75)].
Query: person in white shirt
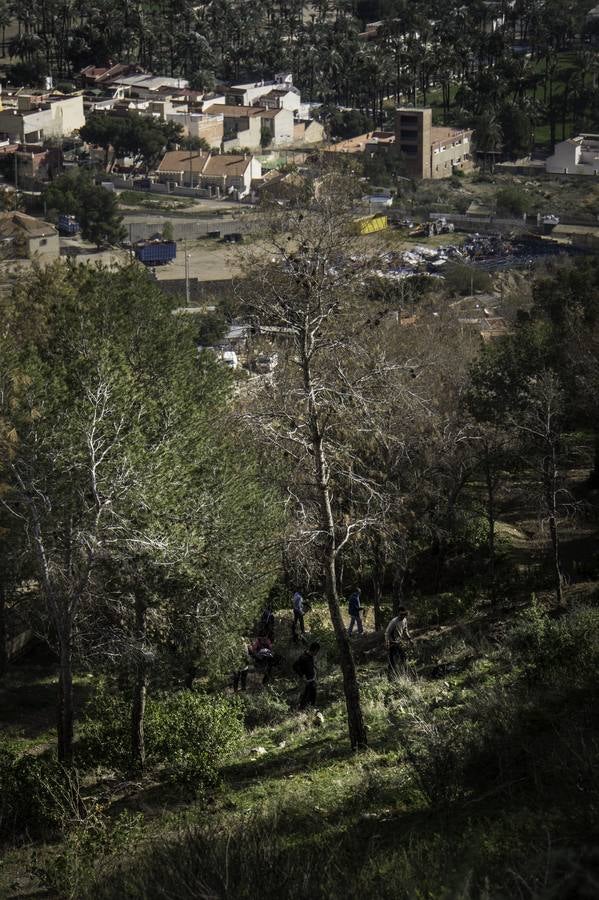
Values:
[(395, 635)]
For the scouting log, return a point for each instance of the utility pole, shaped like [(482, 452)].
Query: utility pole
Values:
[(187, 301)]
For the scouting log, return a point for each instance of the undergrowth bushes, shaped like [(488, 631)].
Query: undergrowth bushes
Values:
[(187, 734), (37, 794), (267, 707)]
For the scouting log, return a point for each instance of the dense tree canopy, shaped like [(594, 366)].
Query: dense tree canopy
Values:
[(95, 208), (120, 476), (466, 54)]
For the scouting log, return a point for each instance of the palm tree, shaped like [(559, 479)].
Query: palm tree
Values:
[(487, 137)]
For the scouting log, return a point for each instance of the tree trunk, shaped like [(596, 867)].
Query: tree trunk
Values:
[(550, 484), (594, 476), (398, 581), (377, 582), (138, 707), (490, 482), (355, 720), (65, 693), (3, 632)]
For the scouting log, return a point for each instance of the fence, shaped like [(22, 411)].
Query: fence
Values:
[(190, 230), (157, 187)]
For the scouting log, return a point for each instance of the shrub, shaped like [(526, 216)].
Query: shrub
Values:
[(513, 201), (37, 794), (187, 733), (192, 734), (267, 707), (105, 733), (441, 608), (552, 647), (87, 850), (462, 279)]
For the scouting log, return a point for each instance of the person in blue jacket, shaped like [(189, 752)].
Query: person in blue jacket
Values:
[(354, 608)]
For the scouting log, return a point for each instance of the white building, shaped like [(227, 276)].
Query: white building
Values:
[(245, 126), (576, 156), (222, 174), (200, 125), (280, 92), (29, 238), (146, 85), (37, 117)]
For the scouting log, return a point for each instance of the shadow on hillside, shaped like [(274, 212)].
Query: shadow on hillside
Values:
[(28, 694), (282, 763)]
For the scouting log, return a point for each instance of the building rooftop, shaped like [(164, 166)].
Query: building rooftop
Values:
[(215, 165), (271, 113), (183, 161), (225, 164), (16, 224), (150, 82), (240, 112), (446, 134), (382, 137)]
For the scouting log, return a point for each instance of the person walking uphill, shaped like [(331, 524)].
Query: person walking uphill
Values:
[(305, 667), (354, 607), (396, 632), (300, 607)]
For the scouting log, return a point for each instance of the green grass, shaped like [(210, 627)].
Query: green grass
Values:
[(471, 785)]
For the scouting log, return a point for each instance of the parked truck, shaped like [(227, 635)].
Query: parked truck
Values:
[(156, 253), (68, 225)]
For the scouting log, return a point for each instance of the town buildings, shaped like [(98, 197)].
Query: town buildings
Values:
[(575, 156), (36, 117), (430, 151), (243, 116), (27, 238), (221, 174)]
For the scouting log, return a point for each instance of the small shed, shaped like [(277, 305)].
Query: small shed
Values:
[(29, 238)]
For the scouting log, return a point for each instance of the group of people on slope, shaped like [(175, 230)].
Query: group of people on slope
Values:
[(261, 656), (397, 632)]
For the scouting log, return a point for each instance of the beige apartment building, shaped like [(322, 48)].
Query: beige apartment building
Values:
[(37, 117), (430, 151)]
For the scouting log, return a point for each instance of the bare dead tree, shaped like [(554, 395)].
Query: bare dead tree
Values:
[(66, 477), (540, 425), (328, 391)]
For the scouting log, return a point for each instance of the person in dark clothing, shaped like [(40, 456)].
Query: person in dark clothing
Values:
[(240, 675), (240, 678), (354, 607), (299, 608), (266, 625), (264, 659), (305, 667)]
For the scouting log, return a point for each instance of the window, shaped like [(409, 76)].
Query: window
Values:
[(409, 134), (408, 149), (43, 242)]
